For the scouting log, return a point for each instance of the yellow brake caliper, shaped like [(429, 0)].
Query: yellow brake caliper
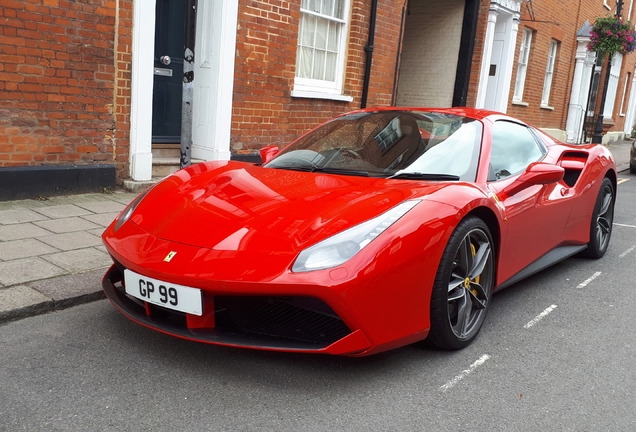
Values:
[(476, 280)]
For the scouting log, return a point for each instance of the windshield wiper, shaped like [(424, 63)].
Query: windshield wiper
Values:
[(424, 176), (313, 168), (343, 171)]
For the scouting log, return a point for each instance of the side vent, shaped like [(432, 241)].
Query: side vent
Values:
[(573, 163)]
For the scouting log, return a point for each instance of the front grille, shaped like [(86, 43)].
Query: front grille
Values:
[(294, 322), (303, 319)]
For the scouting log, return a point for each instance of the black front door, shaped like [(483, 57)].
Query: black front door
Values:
[(168, 67)]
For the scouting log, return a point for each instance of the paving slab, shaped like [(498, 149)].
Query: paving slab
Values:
[(26, 270), (71, 241), (103, 219), (65, 225), (80, 260), (98, 232), (16, 216), (21, 231), (21, 301), (107, 206), (15, 249), (62, 211), (70, 290)]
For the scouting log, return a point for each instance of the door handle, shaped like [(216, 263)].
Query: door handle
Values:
[(165, 60)]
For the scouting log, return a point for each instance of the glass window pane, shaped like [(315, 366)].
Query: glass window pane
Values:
[(327, 7), (303, 66), (308, 30), (314, 6), (513, 149), (319, 65), (333, 39), (339, 9), (330, 72), (322, 26)]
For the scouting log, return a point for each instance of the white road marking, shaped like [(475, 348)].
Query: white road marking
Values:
[(590, 279), (540, 316), (622, 181), (623, 225), (465, 373), (624, 254)]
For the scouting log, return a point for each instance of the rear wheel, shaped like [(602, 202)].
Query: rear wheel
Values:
[(602, 220), (463, 286)]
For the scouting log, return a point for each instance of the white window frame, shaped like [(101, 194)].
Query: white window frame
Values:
[(549, 74), (322, 89), (628, 79), (612, 85), (522, 65)]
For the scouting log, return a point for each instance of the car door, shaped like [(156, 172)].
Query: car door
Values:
[(534, 218)]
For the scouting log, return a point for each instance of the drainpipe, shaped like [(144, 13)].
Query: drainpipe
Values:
[(189, 38), (369, 50), (398, 58)]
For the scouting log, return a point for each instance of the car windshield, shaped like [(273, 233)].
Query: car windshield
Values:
[(396, 144)]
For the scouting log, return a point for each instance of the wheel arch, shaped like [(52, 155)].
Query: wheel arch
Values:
[(491, 221), (611, 175)]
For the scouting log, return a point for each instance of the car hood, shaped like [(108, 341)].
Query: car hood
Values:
[(235, 206)]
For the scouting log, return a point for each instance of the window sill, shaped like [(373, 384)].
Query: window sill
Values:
[(520, 103), (546, 107), (317, 95)]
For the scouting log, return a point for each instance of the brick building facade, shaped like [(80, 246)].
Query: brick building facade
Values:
[(80, 80)]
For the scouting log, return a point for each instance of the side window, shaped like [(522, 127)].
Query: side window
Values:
[(514, 147)]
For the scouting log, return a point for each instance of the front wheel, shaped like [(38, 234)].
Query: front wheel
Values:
[(463, 285), (602, 220)]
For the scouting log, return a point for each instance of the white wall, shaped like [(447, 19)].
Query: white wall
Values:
[(430, 52)]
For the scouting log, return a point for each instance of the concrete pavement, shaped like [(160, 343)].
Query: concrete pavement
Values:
[(52, 257), (51, 253)]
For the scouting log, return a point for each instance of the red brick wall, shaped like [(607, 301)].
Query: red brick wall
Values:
[(570, 18), (56, 82), (264, 113)]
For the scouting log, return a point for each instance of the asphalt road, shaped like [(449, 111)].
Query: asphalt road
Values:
[(557, 353)]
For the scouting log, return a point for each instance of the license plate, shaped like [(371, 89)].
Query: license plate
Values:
[(172, 296)]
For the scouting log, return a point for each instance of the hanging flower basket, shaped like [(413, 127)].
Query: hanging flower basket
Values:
[(611, 35)]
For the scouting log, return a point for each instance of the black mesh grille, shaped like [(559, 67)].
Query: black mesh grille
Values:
[(299, 318), (272, 321)]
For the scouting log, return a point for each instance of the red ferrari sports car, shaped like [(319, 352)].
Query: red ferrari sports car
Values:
[(377, 229)]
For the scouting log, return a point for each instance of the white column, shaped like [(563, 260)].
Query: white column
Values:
[(485, 59), (629, 117), (214, 79), (575, 110), (508, 62), (227, 47), (141, 89)]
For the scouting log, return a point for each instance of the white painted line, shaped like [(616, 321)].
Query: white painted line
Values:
[(540, 316), (590, 279), (623, 225), (624, 254), (465, 373), (622, 181)]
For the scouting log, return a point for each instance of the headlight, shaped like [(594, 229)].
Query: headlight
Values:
[(340, 248), (128, 211)]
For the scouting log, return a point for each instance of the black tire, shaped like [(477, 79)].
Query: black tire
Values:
[(463, 286), (602, 220), (632, 169)]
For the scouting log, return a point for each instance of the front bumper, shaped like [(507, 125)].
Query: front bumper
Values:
[(280, 323)]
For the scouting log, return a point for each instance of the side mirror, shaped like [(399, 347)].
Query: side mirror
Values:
[(538, 173), (268, 153)]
